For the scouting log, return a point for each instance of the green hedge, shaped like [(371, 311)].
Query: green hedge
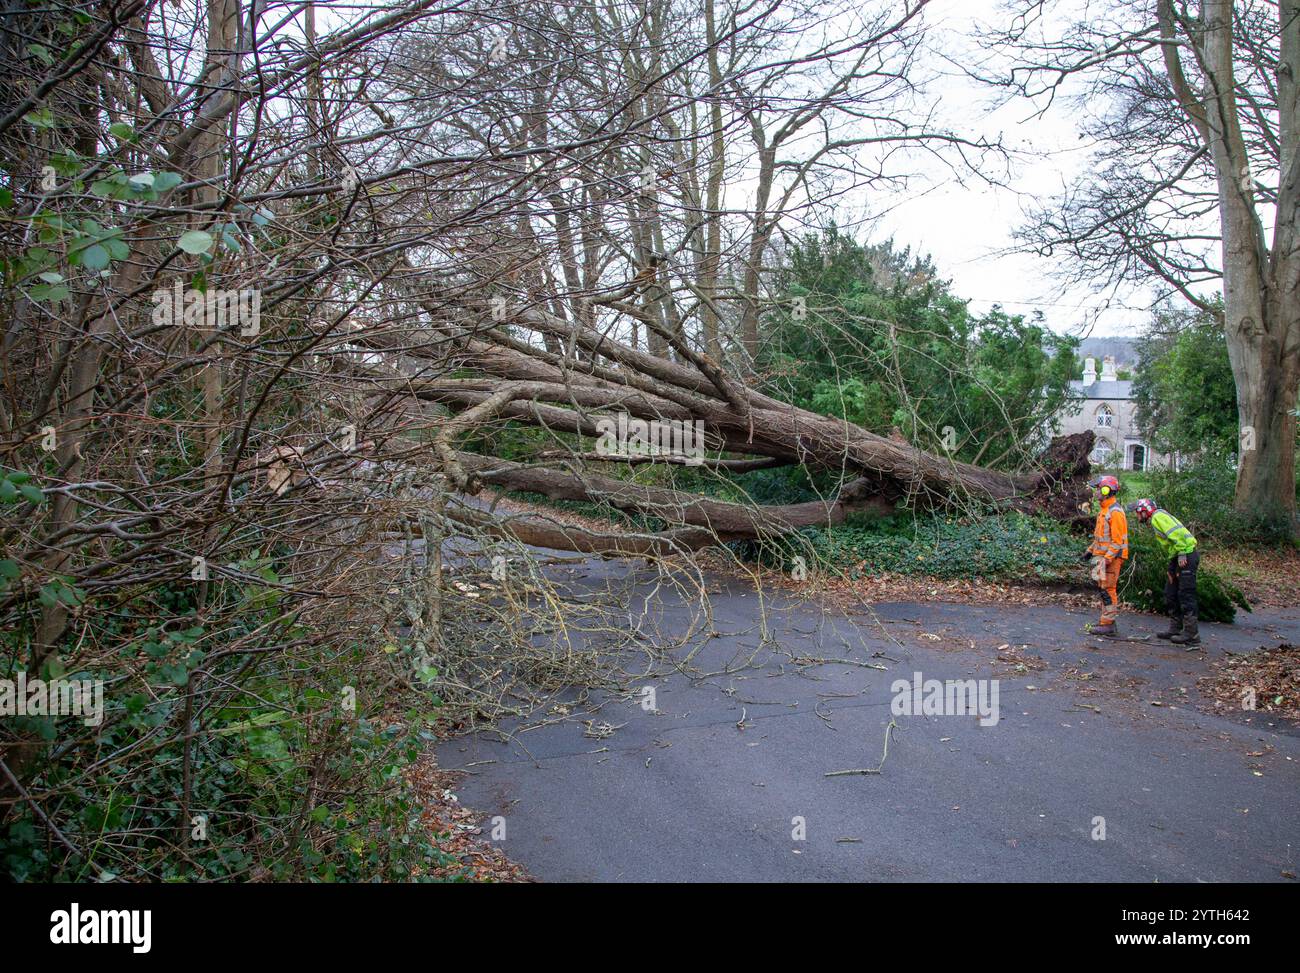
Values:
[(1005, 546)]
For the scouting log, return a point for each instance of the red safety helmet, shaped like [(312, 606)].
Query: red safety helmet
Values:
[(1145, 509), (1107, 486)]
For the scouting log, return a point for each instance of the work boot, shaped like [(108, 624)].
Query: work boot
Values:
[(1175, 628), (1189, 636), (1107, 629)]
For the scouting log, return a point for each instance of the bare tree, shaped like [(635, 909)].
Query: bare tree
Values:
[(1196, 110)]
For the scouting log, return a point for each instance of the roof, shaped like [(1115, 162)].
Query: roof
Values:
[(1103, 390), (1123, 350)]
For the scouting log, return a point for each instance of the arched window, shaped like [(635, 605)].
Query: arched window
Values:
[(1105, 417), (1101, 451)]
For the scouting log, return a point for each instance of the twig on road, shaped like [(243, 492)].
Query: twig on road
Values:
[(867, 770)]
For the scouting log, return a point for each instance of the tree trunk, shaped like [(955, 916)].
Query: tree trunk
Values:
[(1262, 322), (1266, 379)]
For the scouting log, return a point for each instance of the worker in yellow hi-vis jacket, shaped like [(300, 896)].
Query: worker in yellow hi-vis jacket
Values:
[(1180, 547)]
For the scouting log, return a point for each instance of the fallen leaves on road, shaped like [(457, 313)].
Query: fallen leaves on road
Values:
[(893, 588), (1018, 660), (1268, 576), (456, 831), (1271, 676), (1096, 681)]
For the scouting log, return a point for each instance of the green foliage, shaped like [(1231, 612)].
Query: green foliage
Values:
[(885, 345), (16, 488), (1187, 401), (1201, 496), (1184, 389), (999, 546), (222, 693), (290, 783), (993, 545), (780, 485), (1143, 581)]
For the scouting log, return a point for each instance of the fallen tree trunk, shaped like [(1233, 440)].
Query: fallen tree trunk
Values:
[(727, 521), (530, 367), (540, 531)]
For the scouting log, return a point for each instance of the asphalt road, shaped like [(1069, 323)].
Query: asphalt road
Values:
[(726, 780)]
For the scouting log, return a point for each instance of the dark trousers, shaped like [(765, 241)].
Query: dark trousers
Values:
[(1180, 586)]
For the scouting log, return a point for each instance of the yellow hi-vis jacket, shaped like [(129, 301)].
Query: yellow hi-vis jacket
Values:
[(1174, 538), (1110, 535)]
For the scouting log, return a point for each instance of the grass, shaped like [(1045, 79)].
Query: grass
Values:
[(1134, 486)]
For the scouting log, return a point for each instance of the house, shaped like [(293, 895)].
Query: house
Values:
[(1105, 405)]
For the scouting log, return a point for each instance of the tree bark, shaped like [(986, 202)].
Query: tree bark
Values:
[(1260, 289)]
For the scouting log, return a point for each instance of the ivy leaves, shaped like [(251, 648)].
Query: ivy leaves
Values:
[(172, 655), (138, 187), (59, 591), (195, 242), (15, 486)]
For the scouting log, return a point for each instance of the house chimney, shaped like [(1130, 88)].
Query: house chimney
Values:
[(1108, 369), (1089, 371)]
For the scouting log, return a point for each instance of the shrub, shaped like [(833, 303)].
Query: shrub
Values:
[(1143, 582), (281, 781), (1007, 546), (1201, 496)]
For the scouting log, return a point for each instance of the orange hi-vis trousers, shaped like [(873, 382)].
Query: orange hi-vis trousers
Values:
[(1109, 582)]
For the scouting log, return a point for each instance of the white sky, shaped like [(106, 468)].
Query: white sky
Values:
[(963, 226)]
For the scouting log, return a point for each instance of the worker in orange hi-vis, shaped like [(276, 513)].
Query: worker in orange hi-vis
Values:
[(1109, 550)]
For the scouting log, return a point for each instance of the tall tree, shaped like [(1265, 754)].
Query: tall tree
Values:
[(1196, 112), (883, 342)]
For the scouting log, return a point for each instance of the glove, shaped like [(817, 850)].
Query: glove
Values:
[(1086, 556), (1182, 560)]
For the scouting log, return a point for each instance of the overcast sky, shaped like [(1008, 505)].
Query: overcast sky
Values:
[(964, 225)]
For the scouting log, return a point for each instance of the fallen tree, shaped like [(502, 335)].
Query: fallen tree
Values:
[(438, 225), (523, 380)]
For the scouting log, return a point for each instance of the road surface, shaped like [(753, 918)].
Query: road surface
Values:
[(725, 779)]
